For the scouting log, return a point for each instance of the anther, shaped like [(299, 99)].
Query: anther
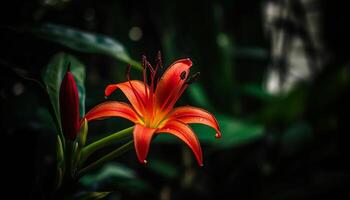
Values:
[(144, 60), (183, 75), (193, 78), (159, 59)]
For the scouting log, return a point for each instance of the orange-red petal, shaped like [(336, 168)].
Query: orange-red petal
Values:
[(142, 139), (134, 90), (171, 82), (186, 134), (112, 109), (189, 114)]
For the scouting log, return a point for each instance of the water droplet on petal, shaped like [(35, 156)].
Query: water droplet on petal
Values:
[(217, 135)]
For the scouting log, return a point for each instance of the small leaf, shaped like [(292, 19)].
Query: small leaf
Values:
[(83, 133), (59, 151), (85, 42)]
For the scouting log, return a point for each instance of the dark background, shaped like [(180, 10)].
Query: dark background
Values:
[(300, 152)]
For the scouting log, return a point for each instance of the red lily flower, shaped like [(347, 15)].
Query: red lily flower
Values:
[(69, 106), (152, 109)]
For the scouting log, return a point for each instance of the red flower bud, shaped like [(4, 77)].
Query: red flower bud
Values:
[(69, 106)]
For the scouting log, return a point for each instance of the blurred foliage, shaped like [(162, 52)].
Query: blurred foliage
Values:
[(115, 176), (85, 42), (288, 146)]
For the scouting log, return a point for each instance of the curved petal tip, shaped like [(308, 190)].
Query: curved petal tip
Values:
[(187, 61)]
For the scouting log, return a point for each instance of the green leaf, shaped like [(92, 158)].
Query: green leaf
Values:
[(89, 195), (114, 176), (234, 133), (109, 170), (257, 91), (52, 76), (85, 42), (199, 96), (83, 133), (163, 168)]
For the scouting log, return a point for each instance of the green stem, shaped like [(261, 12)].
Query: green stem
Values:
[(91, 148), (105, 158)]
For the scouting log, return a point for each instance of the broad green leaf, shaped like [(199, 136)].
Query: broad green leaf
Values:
[(85, 42), (114, 176), (52, 76), (257, 91), (163, 168), (234, 133), (108, 171), (199, 96), (89, 195)]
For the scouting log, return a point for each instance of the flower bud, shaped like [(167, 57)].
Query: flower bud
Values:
[(69, 106)]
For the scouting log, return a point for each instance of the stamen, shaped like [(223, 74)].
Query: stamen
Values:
[(193, 78), (144, 73), (138, 97), (159, 59), (183, 75)]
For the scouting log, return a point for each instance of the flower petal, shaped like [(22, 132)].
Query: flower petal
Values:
[(142, 139), (186, 134), (189, 114), (112, 109), (134, 90), (171, 82)]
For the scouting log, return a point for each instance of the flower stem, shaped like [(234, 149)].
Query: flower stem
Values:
[(105, 158), (91, 148)]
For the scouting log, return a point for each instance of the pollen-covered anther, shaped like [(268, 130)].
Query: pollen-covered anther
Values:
[(159, 59), (183, 75)]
